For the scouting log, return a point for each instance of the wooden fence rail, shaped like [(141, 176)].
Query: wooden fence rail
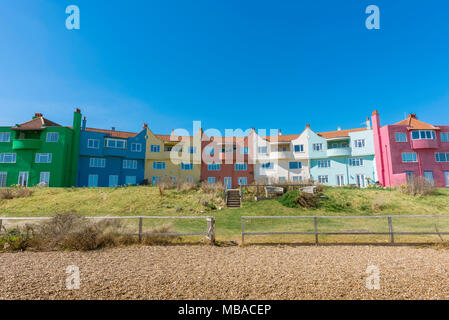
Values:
[(210, 231), (317, 233)]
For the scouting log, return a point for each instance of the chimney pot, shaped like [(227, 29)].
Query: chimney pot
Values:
[(307, 125), (339, 128), (38, 115), (413, 115), (78, 110), (113, 128), (375, 112), (145, 125)]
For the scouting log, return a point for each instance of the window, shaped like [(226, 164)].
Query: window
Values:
[(340, 180), (262, 150), (409, 157), (189, 179), (155, 180), (93, 143), (5, 136), (130, 180), (115, 143), (3, 176), (97, 162), (240, 166), (44, 178), (7, 158), (295, 165), (423, 135), (323, 179), (267, 165), (158, 165), (52, 136), (428, 175), (401, 137), (155, 148), (442, 156), (297, 178), (410, 175), (282, 179), (93, 181), (186, 166), (43, 157), (213, 167), (209, 150), (324, 163), (113, 181), (192, 150), (129, 164), (444, 137), (242, 181), (244, 150), (299, 148), (211, 180), (136, 147), (23, 179), (359, 143), (355, 162), (317, 147)]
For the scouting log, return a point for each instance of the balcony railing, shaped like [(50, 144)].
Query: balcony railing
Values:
[(338, 152), (26, 144)]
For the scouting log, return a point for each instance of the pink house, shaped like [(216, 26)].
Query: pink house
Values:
[(411, 148)]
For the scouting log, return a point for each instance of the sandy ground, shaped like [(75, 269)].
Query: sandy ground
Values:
[(205, 272)]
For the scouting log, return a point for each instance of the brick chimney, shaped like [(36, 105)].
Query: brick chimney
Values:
[(38, 115), (145, 126)]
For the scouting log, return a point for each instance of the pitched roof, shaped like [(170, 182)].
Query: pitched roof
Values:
[(339, 133), (114, 133), (414, 124), (38, 123)]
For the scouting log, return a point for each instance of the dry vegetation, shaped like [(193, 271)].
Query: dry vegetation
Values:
[(418, 186)]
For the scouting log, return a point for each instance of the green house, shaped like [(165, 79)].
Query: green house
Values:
[(40, 151)]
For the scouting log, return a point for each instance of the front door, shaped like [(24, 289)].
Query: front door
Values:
[(23, 179), (228, 183), (113, 181), (428, 175), (446, 178)]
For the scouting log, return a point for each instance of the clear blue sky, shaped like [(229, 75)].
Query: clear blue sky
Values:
[(229, 63)]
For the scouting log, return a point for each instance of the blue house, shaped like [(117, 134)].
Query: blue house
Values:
[(110, 158)]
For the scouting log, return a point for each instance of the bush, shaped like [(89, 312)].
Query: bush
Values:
[(295, 199), (211, 188), (418, 186), (15, 192)]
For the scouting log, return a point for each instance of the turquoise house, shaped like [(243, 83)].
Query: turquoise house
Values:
[(343, 157)]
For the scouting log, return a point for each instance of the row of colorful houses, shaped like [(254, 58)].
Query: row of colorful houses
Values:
[(43, 152)]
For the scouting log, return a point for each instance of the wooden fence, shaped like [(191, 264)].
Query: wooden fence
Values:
[(210, 231), (316, 233)]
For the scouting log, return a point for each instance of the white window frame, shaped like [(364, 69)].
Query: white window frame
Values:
[(187, 166), (432, 134), (300, 147), (414, 160), (5, 136), (359, 143), (211, 180), (189, 179), (50, 134), (45, 174), (213, 167), (323, 179), (13, 157), (270, 165), (241, 166), (299, 165), (136, 147), (317, 147), (260, 150), (438, 157), (109, 180), (355, 162), (93, 176), (156, 165), (94, 142), (112, 143), (323, 164), (444, 136), (3, 179), (155, 148), (239, 181), (97, 163), (400, 134), (39, 156), (133, 177), (130, 164)]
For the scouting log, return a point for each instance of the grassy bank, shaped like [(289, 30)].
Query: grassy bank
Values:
[(149, 201)]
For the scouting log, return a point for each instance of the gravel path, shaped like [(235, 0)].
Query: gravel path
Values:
[(205, 272)]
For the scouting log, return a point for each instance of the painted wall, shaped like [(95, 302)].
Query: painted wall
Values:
[(389, 154), (63, 153), (113, 159)]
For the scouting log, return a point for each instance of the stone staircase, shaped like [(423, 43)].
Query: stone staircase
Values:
[(233, 198)]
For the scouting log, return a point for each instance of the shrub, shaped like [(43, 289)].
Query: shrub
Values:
[(155, 235), (15, 192), (418, 186), (295, 199), (211, 188)]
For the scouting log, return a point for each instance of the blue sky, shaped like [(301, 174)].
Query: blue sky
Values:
[(229, 63)]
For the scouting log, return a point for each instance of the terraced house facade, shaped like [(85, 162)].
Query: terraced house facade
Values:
[(39, 151), (411, 148), (175, 158), (110, 158)]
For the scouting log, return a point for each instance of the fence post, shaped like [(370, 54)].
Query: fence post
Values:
[(1, 222), (315, 222), (390, 227), (211, 229), (140, 229), (241, 194), (243, 230)]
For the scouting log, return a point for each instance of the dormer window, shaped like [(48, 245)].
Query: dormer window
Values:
[(423, 135)]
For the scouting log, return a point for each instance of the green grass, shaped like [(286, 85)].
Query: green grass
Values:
[(147, 201)]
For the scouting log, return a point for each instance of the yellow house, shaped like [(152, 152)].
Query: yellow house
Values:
[(172, 157)]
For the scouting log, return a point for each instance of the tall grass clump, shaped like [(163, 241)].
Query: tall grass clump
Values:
[(418, 186), (296, 199), (15, 192)]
